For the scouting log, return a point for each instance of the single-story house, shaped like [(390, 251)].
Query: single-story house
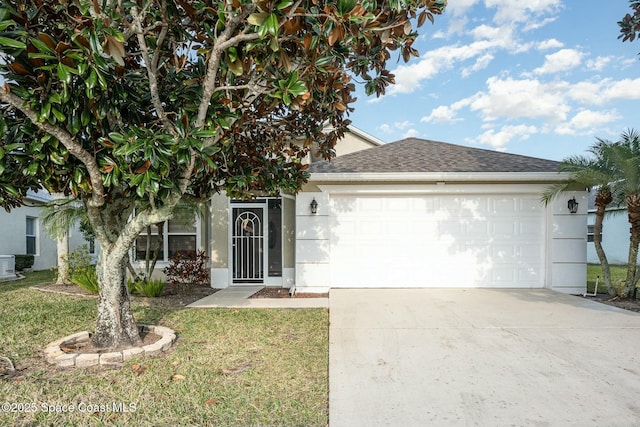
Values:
[(615, 233), (21, 232), (413, 213)]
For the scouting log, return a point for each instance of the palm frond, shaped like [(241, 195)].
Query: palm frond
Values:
[(61, 214)]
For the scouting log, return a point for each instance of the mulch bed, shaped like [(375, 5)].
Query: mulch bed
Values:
[(284, 293), (87, 347), (171, 297), (630, 304)]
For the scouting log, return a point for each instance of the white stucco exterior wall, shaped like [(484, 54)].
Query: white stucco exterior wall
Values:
[(615, 238), (312, 243), (567, 254), (13, 240)]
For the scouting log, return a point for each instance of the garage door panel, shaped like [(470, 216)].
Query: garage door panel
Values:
[(436, 241)]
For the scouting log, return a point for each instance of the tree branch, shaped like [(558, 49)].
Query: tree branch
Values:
[(152, 69), (76, 149), (224, 41)]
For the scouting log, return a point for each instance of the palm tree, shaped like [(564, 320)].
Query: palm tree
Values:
[(624, 155), (58, 216), (595, 172)]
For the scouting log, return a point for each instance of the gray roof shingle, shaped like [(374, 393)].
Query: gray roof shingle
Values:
[(421, 155)]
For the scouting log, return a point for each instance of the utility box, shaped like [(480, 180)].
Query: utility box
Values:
[(7, 267)]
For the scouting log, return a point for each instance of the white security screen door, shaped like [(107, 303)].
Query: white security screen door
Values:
[(247, 241)]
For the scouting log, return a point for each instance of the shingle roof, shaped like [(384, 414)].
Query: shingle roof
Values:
[(420, 155)]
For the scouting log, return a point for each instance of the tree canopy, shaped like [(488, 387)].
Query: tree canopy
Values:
[(630, 24), (136, 104), (98, 93)]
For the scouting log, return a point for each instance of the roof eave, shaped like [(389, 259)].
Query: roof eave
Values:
[(441, 176)]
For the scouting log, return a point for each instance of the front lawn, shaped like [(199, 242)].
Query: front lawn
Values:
[(228, 367), (594, 270)]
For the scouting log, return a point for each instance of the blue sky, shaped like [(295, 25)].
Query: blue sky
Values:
[(541, 78)]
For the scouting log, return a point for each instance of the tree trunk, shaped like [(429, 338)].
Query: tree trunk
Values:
[(63, 260), (633, 210), (603, 198), (115, 324)]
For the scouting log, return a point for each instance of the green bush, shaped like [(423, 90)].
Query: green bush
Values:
[(23, 262), (82, 272), (87, 279), (152, 288)]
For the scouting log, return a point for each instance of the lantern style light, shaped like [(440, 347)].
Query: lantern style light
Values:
[(314, 206), (572, 205)]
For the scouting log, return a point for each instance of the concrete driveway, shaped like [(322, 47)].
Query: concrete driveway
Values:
[(481, 357)]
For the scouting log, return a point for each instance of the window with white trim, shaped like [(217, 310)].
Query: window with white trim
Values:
[(180, 234), (590, 233), (31, 236)]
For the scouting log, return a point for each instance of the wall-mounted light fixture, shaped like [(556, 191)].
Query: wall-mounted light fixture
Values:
[(314, 206), (572, 205)]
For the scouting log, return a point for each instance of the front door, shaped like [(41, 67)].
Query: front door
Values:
[(256, 242), (247, 243)]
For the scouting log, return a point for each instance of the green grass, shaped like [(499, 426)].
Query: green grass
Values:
[(240, 367), (594, 270)]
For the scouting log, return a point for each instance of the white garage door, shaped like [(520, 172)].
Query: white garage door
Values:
[(437, 241)]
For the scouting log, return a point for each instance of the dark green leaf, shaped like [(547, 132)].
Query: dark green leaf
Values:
[(7, 42)]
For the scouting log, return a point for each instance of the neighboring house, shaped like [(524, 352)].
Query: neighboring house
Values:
[(615, 234), (413, 213), (21, 232)]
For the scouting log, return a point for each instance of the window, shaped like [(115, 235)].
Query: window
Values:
[(590, 234), (179, 234), (32, 237)]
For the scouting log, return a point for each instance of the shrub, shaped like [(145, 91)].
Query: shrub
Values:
[(82, 272), (151, 288), (23, 262), (188, 269), (87, 279)]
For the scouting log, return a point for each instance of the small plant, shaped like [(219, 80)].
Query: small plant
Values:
[(132, 286), (87, 279), (82, 272), (188, 269), (151, 288)]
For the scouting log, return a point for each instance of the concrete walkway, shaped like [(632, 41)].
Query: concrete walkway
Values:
[(481, 357), (238, 297)]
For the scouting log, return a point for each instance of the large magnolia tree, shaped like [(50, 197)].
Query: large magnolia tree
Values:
[(135, 104)]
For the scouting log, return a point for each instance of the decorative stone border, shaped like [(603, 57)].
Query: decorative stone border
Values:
[(56, 356)]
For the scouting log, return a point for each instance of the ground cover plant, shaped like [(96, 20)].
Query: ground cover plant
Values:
[(228, 367)]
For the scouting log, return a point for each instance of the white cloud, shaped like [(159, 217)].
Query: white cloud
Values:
[(586, 120), (550, 44), (397, 126), (385, 128), (435, 62), (402, 125), (562, 60), (530, 11), (552, 104), (604, 91), (411, 133), (487, 32), (500, 139), (441, 114), (460, 7), (480, 64), (445, 113), (622, 89), (599, 63), (511, 99)]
